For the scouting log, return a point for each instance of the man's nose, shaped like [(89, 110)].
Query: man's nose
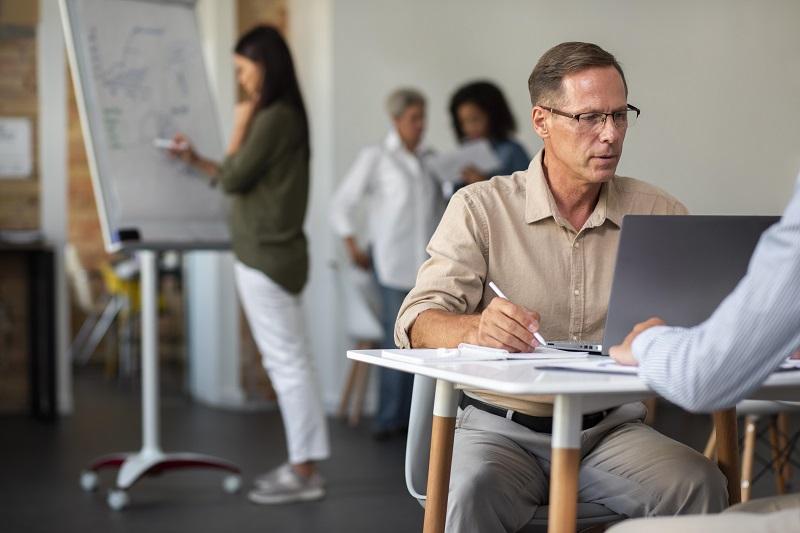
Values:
[(610, 132)]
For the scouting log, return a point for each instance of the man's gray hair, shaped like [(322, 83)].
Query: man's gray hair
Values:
[(401, 99)]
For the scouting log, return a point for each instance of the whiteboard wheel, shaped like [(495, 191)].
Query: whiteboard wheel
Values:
[(89, 480), (117, 499), (231, 484)]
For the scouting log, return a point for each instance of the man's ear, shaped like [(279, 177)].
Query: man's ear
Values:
[(539, 122)]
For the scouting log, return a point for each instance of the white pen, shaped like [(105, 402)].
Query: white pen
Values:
[(169, 144), (498, 292)]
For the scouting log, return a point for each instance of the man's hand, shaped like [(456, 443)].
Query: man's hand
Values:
[(622, 353), (506, 325)]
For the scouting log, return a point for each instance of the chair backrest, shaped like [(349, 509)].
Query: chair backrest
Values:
[(418, 443), (79, 278)]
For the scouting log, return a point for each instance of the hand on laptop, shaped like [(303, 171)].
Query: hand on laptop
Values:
[(508, 326), (622, 353)]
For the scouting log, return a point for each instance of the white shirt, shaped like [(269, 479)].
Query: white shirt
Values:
[(727, 357), (403, 204)]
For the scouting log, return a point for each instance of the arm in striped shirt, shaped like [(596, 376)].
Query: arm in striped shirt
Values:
[(724, 359)]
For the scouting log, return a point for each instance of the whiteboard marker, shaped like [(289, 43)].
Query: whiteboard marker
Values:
[(169, 144)]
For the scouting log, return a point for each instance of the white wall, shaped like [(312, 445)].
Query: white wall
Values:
[(52, 84), (717, 81)]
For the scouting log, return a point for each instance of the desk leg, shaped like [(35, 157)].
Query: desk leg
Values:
[(441, 455), (728, 451), (564, 465)]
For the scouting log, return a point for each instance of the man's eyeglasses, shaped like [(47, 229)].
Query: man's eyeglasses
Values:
[(595, 121)]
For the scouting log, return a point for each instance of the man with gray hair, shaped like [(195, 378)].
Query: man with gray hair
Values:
[(548, 237), (389, 182)]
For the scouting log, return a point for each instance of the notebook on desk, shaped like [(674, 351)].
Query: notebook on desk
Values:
[(470, 352)]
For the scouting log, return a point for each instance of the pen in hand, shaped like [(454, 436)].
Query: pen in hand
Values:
[(498, 292)]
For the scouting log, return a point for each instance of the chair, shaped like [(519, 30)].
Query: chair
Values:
[(781, 442), (416, 465), (121, 302)]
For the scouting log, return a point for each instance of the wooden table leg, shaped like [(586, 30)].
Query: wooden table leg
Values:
[(748, 456), (728, 451), (565, 464), (445, 407)]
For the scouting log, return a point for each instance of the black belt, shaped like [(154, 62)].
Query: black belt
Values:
[(540, 424)]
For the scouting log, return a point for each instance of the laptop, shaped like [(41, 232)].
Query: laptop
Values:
[(679, 268)]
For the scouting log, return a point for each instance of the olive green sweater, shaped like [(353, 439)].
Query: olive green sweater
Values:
[(267, 179)]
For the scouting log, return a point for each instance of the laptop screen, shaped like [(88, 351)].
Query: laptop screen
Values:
[(678, 268)]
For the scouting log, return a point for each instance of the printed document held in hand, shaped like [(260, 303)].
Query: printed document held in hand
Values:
[(447, 167), (472, 352)]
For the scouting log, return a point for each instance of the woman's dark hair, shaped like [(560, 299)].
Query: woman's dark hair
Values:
[(265, 46), (489, 98)]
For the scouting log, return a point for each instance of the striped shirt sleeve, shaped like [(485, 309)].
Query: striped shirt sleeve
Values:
[(723, 360)]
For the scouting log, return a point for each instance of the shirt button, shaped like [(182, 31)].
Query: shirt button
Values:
[(576, 244), (577, 292)]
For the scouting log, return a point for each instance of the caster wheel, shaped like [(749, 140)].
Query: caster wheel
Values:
[(231, 484), (89, 480), (117, 499)]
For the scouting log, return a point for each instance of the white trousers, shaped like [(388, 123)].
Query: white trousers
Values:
[(276, 321)]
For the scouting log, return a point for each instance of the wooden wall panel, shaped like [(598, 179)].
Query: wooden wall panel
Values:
[(19, 198)]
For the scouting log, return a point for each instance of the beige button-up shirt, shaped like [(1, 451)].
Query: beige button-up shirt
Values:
[(508, 230)]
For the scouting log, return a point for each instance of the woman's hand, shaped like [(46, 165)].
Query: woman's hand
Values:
[(182, 149), (242, 115), (471, 175)]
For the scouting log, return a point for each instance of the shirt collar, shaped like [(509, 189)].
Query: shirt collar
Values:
[(540, 204), (393, 143)]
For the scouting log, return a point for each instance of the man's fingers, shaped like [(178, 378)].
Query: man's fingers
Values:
[(512, 326), (647, 324), (520, 314), (507, 341)]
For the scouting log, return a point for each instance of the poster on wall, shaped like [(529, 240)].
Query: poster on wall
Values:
[(16, 148)]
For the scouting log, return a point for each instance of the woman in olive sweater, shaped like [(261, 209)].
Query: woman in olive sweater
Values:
[(266, 175)]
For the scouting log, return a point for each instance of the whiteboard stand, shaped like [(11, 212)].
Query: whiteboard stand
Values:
[(150, 460)]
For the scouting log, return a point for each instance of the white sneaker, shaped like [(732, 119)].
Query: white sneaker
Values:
[(284, 485)]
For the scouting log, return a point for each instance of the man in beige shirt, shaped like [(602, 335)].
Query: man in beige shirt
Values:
[(548, 237)]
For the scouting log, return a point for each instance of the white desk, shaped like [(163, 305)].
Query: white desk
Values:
[(575, 393)]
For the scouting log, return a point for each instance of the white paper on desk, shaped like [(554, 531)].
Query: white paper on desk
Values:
[(790, 364), (16, 148), (470, 352), (447, 167), (604, 366)]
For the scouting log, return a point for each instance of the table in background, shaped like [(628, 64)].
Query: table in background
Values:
[(39, 259)]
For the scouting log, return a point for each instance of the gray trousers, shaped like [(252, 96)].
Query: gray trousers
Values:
[(779, 514), (500, 472)]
